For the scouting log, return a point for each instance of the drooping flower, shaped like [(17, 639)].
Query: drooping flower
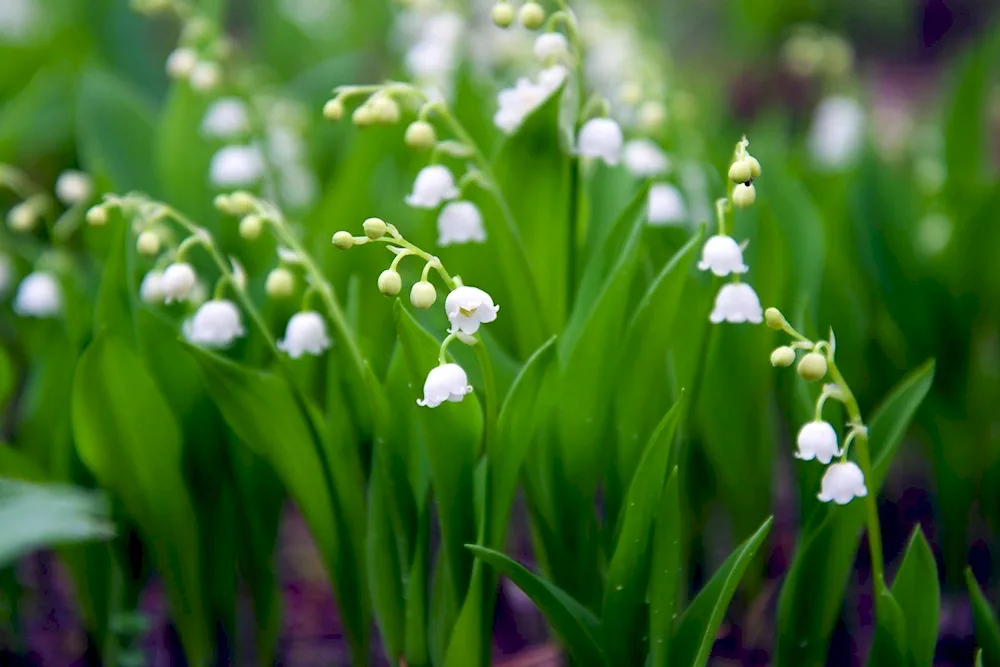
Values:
[(39, 295), (722, 256), (151, 289), (841, 483), (178, 280), (551, 47), (644, 158), (433, 185), (666, 205), (817, 440), (460, 222), (215, 324), (305, 334), (601, 138), (447, 382), (74, 187), (737, 302), (515, 103), (468, 307), (236, 167), (226, 118), (837, 132)]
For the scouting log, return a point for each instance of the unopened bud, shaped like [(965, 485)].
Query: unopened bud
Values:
[(390, 282), (754, 165), (423, 295), (744, 195), (241, 203), (375, 228), (22, 217), (280, 283), (503, 14), (97, 215), (333, 109), (251, 227), (181, 62), (420, 135), (343, 240), (532, 15), (222, 204), (812, 367), (148, 243), (385, 110), (739, 171), (775, 319), (783, 356), (364, 115), (206, 76)]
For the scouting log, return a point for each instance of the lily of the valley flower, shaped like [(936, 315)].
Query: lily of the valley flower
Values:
[(514, 104), (551, 47), (74, 187), (215, 324), (737, 302), (468, 307), (447, 382), (227, 118), (151, 289), (841, 483), (837, 132), (460, 222), (236, 167), (433, 185), (722, 256), (178, 280), (817, 440), (305, 334), (666, 205), (601, 138), (644, 158), (39, 295)]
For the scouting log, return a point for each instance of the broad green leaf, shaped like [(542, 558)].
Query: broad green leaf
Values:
[(623, 609), (183, 153), (6, 377), (979, 658), (417, 653), (985, 619), (697, 628), (575, 625), (469, 642), (918, 593), (127, 436), (39, 120), (386, 573), (665, 573), (826, 548), (889, 643)]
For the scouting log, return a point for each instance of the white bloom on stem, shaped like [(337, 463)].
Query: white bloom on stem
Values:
[(305, 334), (226, 118), (433, 185), (181, 62), (644, 158), (74, 187), (178, 281), (6, 275), (460, 222), (18, 19), (447, 382), (722, 256), (515, 103), (601, 138), (151, 289), (468, 307), (205, 76), (817, 440), (215, 324), (837, 132), (39, 295), (236, 166), (737, 302), (551, 47), (841, 483), (666, 205)]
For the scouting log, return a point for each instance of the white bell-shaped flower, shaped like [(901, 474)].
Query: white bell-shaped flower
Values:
[(551, 47), (39, 295), (722, 256), (666, 205), (837, 133), (434, 184), (215, 324), (644, 158), (151, 289), (236, 167), (6, 275), (468, 307), (74, 187), (601, 138), (737, 302), (841, 483), (460, 222), (817, 440), (305, 334), (178, 280), (227, 118), (515, 103), (447, 382)]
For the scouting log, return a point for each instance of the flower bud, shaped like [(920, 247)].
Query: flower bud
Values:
[(390, 282), (222, 204), (251, 227), (97, 215), (775, 320), (206, 76), (148, 243), (343, 240), (333, 109), (280, 283), (652, 115), (364, 115), (739, 171), (783, 356), (503, 14), (754, 166), (181, 62), (423, 295), (22, 217), (241, 203), (385, 110), (420, 135), (375, 228), (744, 195), (532, 15), (812, 367)]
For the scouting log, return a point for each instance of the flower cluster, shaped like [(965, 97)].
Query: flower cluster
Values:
[(466, 307), (817, 439)]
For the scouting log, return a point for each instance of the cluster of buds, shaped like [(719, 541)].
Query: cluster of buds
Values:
[(817, 439), (201, 48), (466, 307), (812, 50), (531, 15)]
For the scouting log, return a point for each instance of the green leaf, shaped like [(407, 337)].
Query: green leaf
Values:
[(979, 658), (697, 628), (987, 627), (918, 593), (665, 573), (622, 611), (889, 643), (183, 154), (127, 436), (417, 652), (6, 377), (827, 545), (386, 580), (575, 625)]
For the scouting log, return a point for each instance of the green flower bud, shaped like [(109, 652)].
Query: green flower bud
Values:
[(97, 216), (375, 228), (389, 282), (420, 135), (22, 217), (812, 367), (739, 171), (503, 14), (241, 203), (251, 227), (280, 283), (222, 204), (385, 110), (754, 166), (532, 15), (775, 319), (148, 243), (364, 115), (343, 240), (744, 195), (423, 295), (783, 356), (333, 109)]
